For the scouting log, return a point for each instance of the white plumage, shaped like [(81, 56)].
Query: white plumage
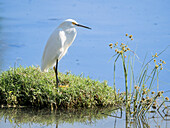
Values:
[(58, 44)]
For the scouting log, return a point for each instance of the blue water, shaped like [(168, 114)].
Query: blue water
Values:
[(25, 26)]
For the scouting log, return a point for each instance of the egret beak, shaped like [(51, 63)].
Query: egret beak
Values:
[(79, 25)]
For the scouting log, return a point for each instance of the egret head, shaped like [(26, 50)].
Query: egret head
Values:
[(70, 23)]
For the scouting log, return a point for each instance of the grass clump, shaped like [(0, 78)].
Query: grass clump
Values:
[(31, 87)]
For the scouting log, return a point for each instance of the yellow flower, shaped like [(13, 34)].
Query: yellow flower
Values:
[(116, 44), (150, 99), (163, 62), (137, 87), (144, 92), (110, 44), (115, 50), (130, 36), (156, 55), (152, 92), (159, 93), (160, 60), (154, 60), (156, 66), (154, 103), (126, 34), (128, 48), (121, 52), (123, 48), (148, 90), (166, 98), (161, 68)]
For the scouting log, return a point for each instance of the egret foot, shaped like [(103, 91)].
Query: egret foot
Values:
[(63, 86)]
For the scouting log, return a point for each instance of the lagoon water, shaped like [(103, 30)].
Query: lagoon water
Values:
[(26, 25)]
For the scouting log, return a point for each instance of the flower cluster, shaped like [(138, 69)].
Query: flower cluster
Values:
[(120, 49), (156, 55), (130, 36), (159, 64)]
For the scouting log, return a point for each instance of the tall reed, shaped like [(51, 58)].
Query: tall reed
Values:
[(138, 96)]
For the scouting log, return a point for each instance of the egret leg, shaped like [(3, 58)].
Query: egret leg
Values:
[(56, 73)]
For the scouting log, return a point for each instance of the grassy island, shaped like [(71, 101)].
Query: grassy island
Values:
[(31, 87)]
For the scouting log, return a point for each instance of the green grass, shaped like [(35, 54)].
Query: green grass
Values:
[(31, 87)]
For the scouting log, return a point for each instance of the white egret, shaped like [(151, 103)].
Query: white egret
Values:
[(58, 44)]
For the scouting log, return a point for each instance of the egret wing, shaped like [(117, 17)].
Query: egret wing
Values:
[(53, 49)]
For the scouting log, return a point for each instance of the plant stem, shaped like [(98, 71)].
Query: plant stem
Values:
[(114, 85), (126, 85)]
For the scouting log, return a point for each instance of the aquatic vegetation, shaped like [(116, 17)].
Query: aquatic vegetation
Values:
[(138, 96), (30, 87)]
